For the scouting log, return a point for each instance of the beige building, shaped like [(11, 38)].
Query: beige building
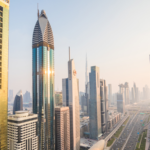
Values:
[(62, 129), (22, 133), (70, 88)]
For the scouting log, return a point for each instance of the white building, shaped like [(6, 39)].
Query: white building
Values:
[(70, 89), (22, 133)]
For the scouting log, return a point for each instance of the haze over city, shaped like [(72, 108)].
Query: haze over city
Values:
[(113, 34)]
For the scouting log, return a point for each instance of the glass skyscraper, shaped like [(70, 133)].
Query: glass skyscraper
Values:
[(43, 81), (4, 29)]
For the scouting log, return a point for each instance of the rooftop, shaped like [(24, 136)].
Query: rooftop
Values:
[(6, 1), (87, 143)]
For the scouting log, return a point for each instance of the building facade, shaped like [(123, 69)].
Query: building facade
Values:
[(4, 34), (18, 102), (22, 133), (94, 103), (27, 97), (10, 97), (70, 91), (120, 103), (43, 81), (62, 129), (103, 111), (110, 94), (58, 98)]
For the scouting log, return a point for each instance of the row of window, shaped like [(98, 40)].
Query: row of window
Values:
[(1, 30)]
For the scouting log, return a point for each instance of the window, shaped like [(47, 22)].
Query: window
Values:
[(1, 25), (0, 58), (0, 80), (0, 52), (1, 19), (1, 30), (0, 75), (0, 87), (0, 46), (0, 63), (0, 40), (0, 69), (1, 14), (1, 8), (0, 35)]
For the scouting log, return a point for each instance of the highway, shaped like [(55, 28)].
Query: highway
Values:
[(129, 137)]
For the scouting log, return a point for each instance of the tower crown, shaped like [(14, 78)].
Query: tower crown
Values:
[(43, 34)]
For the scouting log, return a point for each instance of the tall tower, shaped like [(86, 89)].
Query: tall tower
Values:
[(43, 81), (86, 74), (95, 104), (4, 34), (70, 88)]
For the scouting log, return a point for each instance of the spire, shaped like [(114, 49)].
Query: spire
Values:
[(69, 53), (38, 10), (86, 71)]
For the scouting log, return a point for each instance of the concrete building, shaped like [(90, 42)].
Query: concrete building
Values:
[(62, 128), (4, 40), (22, 133), (70, 89), (95, 104), (18, 102), (120, 103), (43, 75), (110, 94)]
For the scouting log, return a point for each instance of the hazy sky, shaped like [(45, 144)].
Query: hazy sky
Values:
[(115, 35)]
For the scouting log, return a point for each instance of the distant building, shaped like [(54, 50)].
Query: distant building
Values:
[(126, 93), (58, 98), (70, 89), (80, 96), (18, 102), (95, 104), (110, 94), (26, 97), (62, 128), (103, 111), (120, 103), (22, 133), (10, 97)]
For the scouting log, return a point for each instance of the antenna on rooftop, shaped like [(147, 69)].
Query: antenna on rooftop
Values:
[(69, 52)]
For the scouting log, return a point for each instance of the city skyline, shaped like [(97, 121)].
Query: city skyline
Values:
[(119, 42)]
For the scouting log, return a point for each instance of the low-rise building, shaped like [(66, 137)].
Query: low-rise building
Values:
[(22, 133)]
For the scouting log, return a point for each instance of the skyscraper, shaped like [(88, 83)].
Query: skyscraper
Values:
[(110, 93), (70, 91), (94, 103), (43, 81), (18, 102), (120, 103), (22, 133), (126, 93), (103, 111), (4, 33), (62, 129), (10, 97), (26, 97)]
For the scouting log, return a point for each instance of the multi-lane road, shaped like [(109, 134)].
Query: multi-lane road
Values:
[(129, 137)]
